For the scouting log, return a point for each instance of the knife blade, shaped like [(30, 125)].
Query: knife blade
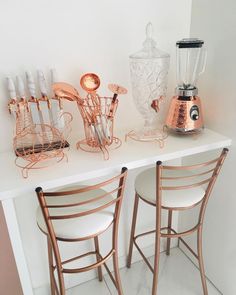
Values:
[(44, 100), (56, 106), (21, 91), (34, 104)]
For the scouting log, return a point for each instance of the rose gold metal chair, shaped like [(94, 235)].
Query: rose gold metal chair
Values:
[(192, 186), (77, 215)]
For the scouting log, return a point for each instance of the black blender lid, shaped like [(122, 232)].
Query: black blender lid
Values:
[(190, 43)]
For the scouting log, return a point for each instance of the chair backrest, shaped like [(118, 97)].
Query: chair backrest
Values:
[(61, 205), (203, 174)]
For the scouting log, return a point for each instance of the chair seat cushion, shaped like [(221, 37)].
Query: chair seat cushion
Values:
[(145, 186), (79, 227)]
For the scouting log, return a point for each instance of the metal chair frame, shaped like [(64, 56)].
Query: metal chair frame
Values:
[(52, 240), (171, 233)]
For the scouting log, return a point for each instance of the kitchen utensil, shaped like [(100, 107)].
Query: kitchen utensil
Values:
[(12, 105), (149, 71), (67, 91), (98, 116), (23, 104), (90, 82), (35, 107), (44, 100), (21, 89), (116, 89), (35, 143), (56, 104), (185, 112), (33, 101)]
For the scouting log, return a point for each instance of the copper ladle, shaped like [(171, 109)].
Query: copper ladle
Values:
[(90, 82)]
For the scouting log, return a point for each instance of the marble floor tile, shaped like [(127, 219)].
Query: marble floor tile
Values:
[(178, 276), (90, 288)]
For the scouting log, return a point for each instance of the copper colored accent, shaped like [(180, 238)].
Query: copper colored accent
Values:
[(12, 103), (90, 82), (38, 145), (179, 119), (116, 89), (171, 233), (66, 91), (54, 246), (155, 105), (161, 135), (98, 125), (97, 113)]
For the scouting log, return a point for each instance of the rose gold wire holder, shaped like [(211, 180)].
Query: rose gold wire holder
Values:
[(150, 135), (98, 119), (38, 146)]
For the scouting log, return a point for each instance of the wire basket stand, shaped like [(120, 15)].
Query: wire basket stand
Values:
[(38, 145), (98, 119)]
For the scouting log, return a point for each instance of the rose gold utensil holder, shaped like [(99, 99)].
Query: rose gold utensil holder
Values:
[(38, 145), (98, 122)]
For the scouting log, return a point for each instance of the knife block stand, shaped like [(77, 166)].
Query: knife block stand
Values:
[(38, 145)]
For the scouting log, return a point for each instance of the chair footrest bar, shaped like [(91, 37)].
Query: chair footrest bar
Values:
[(89, 267), (174, 235), (78, 257), (178, 235)]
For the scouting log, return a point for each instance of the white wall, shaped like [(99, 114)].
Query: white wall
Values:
[(82, 36), (77, 37), (214, 21)]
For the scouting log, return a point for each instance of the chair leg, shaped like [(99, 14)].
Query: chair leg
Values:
[(50, 263), (156, 261), (169, 232), (200, 257), (61, 283), (132, 234), (117, 273), (53, 284), (96, 244)]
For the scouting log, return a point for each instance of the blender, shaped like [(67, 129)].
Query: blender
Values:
[(185, 112)]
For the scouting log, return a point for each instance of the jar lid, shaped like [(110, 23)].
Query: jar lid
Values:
[(149, 50), (190, 43)]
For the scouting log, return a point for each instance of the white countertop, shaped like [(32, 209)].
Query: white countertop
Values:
[(82, 166)]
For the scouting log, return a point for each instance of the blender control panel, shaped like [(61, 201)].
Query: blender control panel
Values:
[(194, 113)]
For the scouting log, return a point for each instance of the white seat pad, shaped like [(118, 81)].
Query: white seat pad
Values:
[(79, 227), (145, 186)]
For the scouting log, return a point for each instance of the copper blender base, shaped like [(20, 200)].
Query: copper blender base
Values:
[(182, 131)]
